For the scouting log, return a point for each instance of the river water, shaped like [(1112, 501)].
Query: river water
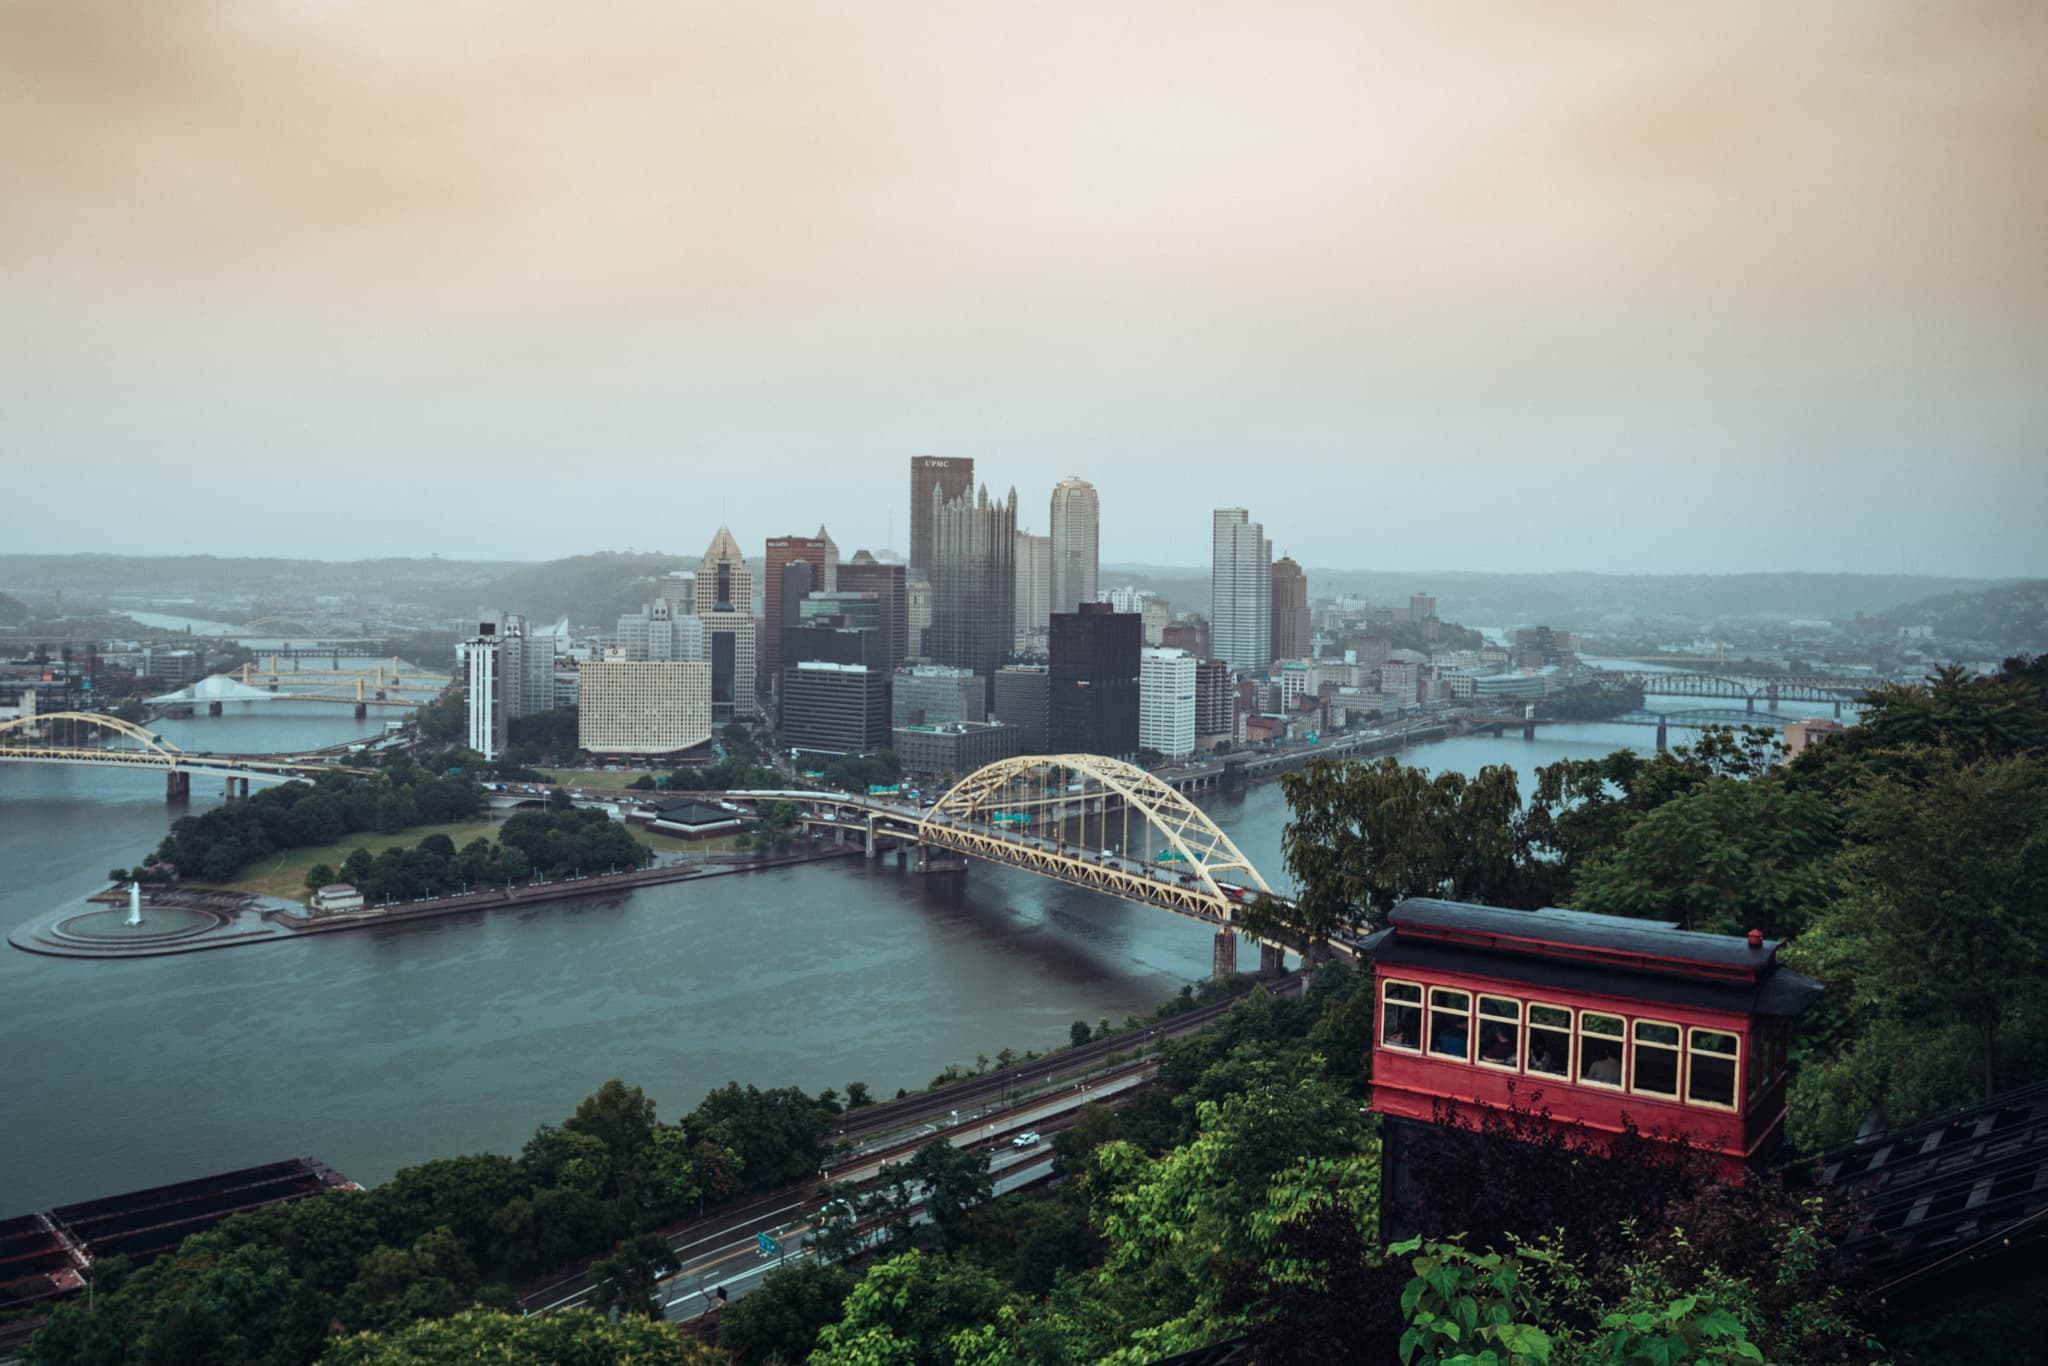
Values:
[(380, 1048)]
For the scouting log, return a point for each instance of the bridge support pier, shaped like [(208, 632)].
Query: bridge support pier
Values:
[(1223, 963), (869, 849), (1272, 960), (1663, 735), (1528, 730), (1838, 708), (361, 711), (1749, 702), (177, 786), (213, 709)]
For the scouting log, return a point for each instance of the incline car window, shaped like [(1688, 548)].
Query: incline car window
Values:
[(1401, 1016)]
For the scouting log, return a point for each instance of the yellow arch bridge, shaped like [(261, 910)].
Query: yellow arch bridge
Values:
[(1080, 819), (100, 741)]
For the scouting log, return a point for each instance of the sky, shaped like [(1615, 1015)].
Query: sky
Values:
[(1498, 286)]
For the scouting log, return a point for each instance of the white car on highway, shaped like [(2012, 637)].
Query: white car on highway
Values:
[(1027, 1139)]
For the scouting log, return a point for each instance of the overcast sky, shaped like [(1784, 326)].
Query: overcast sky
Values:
[(1573, 285)]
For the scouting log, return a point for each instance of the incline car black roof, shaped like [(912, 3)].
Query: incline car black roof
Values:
[(1596, 954), (1607, 934)]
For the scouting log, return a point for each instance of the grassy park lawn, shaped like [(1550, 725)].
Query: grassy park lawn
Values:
[(284, 875)]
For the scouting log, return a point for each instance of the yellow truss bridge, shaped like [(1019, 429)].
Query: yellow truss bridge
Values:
[(1081, 819), (101, 741)]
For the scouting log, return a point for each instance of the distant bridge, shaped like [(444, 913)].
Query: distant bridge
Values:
[(1749, 689), (95, 740)]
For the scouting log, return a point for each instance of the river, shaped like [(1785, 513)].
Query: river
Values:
[(377, 1049)]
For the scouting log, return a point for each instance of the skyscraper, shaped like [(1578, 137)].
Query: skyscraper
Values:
[(1241, 592), (953, 477), (1093, 689), (725, 601), (484, 665), (974, 582), (778, 587), (865, 574), (1034, 587), (1166, 702), (1290, 610), (1076, 528)]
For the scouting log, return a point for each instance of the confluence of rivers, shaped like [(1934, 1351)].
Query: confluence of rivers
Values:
[(382, 1048)]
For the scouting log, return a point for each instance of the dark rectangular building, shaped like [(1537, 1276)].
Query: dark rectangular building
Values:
[(1023, 701), (1093, 683), (957, 749), (974, 584), (782, 587), (835, 709), (891, 585)]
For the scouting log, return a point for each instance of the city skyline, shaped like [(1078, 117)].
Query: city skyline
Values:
[(1702, 291)]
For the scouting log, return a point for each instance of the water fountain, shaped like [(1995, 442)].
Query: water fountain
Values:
[(134, 904)]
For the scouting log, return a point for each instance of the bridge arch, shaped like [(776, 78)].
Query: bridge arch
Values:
[(1041, 787), (26, 732)]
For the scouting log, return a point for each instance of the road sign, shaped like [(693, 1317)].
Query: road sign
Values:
[(764, 1244)]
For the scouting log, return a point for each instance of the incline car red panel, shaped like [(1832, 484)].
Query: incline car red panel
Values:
[(1597, 1022)]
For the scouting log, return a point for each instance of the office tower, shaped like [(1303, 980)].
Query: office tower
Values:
[(974, 583), (777, 603), (936, 694), (1094, 681), (1076, 527), (1166, 702), (725, 598), (1241, 592), (887, 582), (649, 708), (953, 478), (1158, 615), (525, 664), (662, 631), (1290, 610), (834, 691), (835, 709), (1215, 703), (483, 662), (1421, 606), (1034, 590), (1023, 702)]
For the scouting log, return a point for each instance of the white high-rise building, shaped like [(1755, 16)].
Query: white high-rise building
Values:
[(645, 707), (1034, 589), (484, 665), (1076, 537), (1166, 702), (1241, 592)]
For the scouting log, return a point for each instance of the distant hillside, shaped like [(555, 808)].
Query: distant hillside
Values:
[(12, 613), (1581, 601), (591, 590), (1988, 625)]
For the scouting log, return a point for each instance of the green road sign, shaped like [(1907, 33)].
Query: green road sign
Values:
[(765, 1244)]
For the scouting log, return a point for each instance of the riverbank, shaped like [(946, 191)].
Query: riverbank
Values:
[(269, 920)]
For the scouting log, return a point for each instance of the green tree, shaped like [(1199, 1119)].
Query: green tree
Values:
[(631, 1277), (1938, 947), (478, 1335), (318, 876), (913, 1310), (1729, 856), (954, 1181), (781, 1320), (1079, 1034)]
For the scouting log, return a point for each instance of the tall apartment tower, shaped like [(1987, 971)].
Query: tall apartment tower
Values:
[(1290, 610), (953, 478), (778, 586), (725, 602), (1076, 535), (662, 631), (1034, 586), (1241, 592), (1215, 703), (865, 574), (484, 663), (974, 583)]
